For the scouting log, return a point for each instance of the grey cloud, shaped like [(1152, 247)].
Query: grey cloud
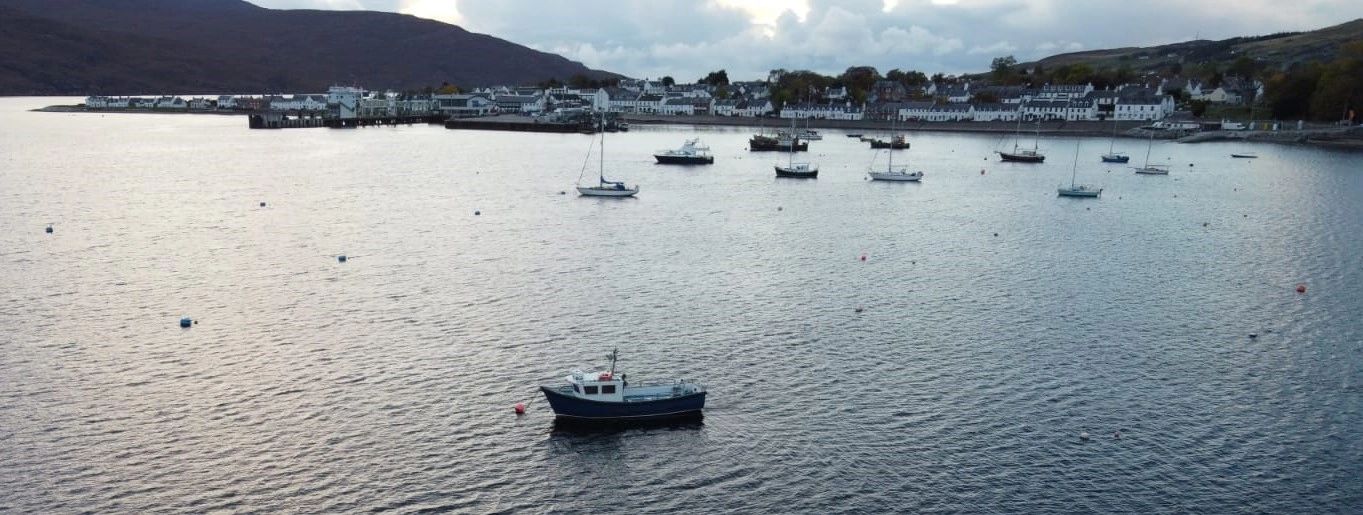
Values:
[(687, 38)]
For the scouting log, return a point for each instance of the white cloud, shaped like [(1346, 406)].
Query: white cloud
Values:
[(440, 10), (997, 49)]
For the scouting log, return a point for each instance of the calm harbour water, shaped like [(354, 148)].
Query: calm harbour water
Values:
[(386, 383)]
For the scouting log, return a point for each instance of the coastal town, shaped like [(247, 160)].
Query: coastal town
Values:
[(1156, 100)]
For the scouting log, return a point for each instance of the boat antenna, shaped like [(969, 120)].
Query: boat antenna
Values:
[(614, 352)]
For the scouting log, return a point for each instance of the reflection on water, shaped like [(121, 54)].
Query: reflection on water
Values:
[(953, 369)]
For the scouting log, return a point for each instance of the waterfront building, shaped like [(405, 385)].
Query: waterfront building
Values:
[(995, 112)]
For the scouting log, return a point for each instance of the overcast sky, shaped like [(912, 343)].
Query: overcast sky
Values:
[(687, 38)]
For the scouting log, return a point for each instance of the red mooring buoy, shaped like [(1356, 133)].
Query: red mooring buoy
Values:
[(863, 257), (520, 408), (1301, 288)]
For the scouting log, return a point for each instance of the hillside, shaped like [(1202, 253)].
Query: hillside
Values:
[(114, 47), (1271, 51)]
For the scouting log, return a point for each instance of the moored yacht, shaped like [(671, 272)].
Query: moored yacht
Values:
[(692, 152)]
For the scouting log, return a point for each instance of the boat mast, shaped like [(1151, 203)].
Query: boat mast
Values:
[(1147, 149), (1113, 140), (1075, 169), (1016, 132), (1036, 138), (602, 170), (793, 141), (889, 163)]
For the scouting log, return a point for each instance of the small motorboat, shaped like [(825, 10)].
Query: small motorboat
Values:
[(1244, 156), (781, 142), (896, 143), (1116, 157), (692, 152), (1022, 155), (608, 397), (798, 171), (856, 135), (1079, 190), (1153, 170)]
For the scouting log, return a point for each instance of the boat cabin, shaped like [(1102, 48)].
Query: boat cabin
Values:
[(604, 387)]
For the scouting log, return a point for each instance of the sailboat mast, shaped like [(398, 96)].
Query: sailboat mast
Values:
[(1036, 138), (1017, 132), (1147, 149), (601, 169), (1113, 140), (1074, 170)]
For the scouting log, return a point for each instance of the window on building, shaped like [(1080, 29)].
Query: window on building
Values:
[(589, 390), (607, 389)]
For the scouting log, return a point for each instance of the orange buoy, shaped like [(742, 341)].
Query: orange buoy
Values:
[(520, 408), (1301, 288)]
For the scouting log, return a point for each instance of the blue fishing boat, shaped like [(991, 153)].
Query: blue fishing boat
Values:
[(607, 397)]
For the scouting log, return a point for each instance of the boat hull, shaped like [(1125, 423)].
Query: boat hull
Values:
[(1116, 159), (569, 407), (772, 146), (1078, 193), (889, 145), (606, 192), (896, 177), (684, 160), (797, 174), (1020, 158), (1244, 156), (1152, 171)]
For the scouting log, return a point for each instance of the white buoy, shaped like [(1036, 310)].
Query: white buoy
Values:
[(1084, 435)]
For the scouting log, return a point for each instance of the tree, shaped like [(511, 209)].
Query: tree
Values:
[(580, 81), (909, 79), (1341, 85), (447, 89), (1002, 67), (985, 97), (1242, 67), (1198, 107), (719, 78), (669, 81), (859, 80)]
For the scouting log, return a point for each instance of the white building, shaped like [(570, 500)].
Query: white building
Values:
[(170, 103), (1063, 91), (821, 111), (755, 108), (996, 112), (914, 110), (227, 102), (676, 106), (1144, 107), (200, 104), (951, 112), (463, 106), (520, 103)]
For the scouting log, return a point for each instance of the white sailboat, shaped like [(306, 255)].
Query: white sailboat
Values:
[(1112, 156), (901, 174), (603, 187), (1150, 169), (793, 169), (1077, 190)]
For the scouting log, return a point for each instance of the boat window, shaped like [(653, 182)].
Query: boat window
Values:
[(589, 390), (576, 390), (607, 388)]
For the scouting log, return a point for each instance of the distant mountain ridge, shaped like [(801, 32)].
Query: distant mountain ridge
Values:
[(122, 47), (1274, 50)]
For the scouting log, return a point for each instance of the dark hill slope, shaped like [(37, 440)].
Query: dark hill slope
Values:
[(205, 46)]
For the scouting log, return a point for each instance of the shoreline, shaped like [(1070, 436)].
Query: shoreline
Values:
[(1081, 128), (1339, 138)]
